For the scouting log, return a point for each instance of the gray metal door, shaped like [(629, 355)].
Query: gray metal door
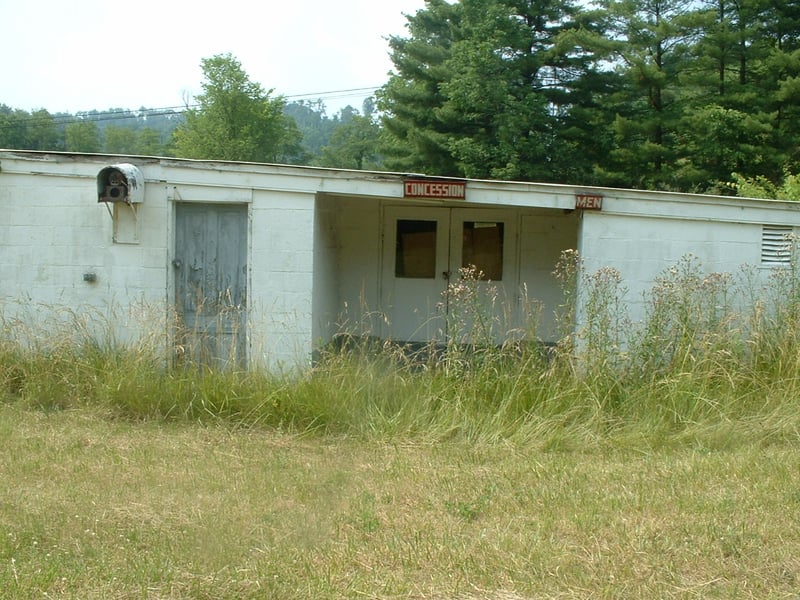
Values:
[(211, 282)]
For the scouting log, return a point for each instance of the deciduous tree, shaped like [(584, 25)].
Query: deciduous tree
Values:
[(82, 136), (236, 119), (120, 140), (354, 142)]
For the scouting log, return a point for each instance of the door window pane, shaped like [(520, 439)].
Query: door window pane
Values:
[(483, 247), (415, 255)]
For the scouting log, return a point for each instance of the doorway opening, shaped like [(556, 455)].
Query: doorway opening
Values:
[(427, 254)]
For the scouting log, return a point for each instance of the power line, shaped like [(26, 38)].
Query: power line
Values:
[(336, 93), (32, 119), (95, 116)]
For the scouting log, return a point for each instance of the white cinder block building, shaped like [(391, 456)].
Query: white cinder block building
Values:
[(265, 263)]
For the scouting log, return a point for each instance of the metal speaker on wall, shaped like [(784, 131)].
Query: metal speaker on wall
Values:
[(120, 183)]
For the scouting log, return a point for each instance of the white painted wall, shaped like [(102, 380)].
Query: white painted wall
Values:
[(353, 240), (325, 298), (347, 266), (282, 279), (315, 242), (53, 232), (643, 247), (544, 235)]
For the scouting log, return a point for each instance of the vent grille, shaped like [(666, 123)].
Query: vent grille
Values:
[(776, 245)]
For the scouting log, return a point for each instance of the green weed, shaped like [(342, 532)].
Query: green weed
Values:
[(715, 353)]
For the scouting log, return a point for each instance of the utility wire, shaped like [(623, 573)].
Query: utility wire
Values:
[(168, 111)]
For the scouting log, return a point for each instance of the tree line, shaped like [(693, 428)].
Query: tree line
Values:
[(683, 95), (116, 131), (311, 136), (660, 94)]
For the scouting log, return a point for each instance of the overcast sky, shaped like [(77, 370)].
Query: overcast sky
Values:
[(76, 55)]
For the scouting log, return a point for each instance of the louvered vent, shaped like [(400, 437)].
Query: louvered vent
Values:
[(776, 245)]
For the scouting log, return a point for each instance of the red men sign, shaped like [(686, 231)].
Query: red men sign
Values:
[(589, 201), (424, 188)]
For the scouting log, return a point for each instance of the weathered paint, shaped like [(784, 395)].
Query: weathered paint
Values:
[(210, 267), (316, 241), (121, 182), (589, 201), (425, 188)]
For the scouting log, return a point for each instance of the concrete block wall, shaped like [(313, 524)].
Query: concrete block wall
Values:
[(543, 237), (315, 241), (52, 232), (58, 250), (358, 265), (642, 248), (282, 277)]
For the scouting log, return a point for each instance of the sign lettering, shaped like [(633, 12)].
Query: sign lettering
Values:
[(423, 188), (589, 201)]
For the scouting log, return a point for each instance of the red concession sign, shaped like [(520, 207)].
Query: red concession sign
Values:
[(423, 188)]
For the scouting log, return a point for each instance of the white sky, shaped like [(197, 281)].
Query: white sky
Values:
[(77, 55)]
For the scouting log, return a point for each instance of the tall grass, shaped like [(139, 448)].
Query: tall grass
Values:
[(716, 360)]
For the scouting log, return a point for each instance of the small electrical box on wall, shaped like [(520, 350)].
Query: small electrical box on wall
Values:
[(120, 183)]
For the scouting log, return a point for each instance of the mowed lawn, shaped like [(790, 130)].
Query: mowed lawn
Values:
[(92, 507)]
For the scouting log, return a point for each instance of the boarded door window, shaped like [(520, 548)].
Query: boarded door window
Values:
[(482, 247), (415, 255)]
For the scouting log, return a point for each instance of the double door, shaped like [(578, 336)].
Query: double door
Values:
[(436, 257)]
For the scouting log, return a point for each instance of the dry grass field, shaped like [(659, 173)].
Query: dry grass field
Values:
[(650, 461), (92, 507)]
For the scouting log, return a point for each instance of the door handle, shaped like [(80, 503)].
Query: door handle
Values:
[(446, 275)]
